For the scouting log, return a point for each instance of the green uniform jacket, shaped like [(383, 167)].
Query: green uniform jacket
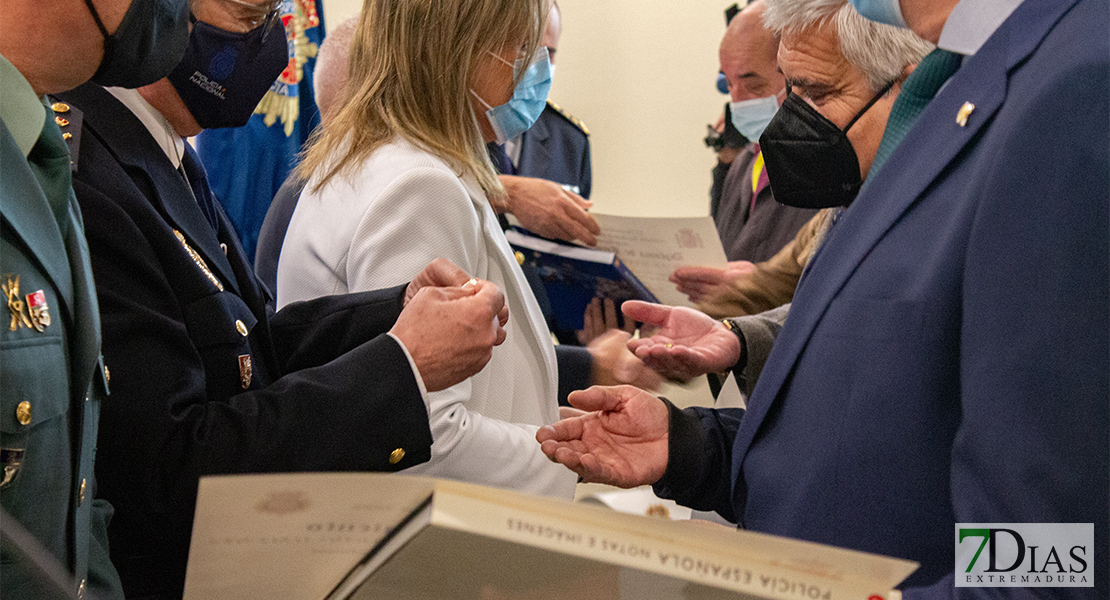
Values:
[(52, 381)]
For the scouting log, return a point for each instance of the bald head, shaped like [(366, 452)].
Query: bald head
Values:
[(331, 66), (748, 56)]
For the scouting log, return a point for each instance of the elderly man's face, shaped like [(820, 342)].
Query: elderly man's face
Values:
[(816, 71), (747, 58)]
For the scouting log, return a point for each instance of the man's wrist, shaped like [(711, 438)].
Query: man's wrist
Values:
[(732, 326)]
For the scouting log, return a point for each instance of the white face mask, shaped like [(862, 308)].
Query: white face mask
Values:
[(750, 117)]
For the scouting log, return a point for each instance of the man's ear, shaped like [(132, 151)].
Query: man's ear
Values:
[(907, 70)]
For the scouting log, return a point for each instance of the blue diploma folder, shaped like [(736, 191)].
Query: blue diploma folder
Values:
[(573, 275)]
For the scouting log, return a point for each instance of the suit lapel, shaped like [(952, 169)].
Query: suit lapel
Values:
[(86, 322), (126, 137), (33, 221), (906, 176), (537, 329), (535, 157)]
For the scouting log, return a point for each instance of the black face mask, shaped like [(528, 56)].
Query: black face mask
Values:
[(148, 43), (810, 162), (224, 75)]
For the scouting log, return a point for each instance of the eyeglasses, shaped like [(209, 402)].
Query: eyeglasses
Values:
[(267, 14)]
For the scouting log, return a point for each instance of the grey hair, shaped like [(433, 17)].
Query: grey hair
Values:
[(880, 51)]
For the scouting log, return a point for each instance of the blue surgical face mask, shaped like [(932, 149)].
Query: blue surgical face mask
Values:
[(750, 117), (888, 12), (529, 98)]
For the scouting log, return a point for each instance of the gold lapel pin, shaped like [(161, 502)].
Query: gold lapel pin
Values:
[(60, 107), (61, 122), (965, 112)]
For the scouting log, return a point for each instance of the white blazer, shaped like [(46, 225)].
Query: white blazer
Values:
[(379, 227)]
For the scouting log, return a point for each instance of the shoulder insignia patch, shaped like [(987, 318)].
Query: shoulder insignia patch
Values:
[(573, 120), (68, 119)]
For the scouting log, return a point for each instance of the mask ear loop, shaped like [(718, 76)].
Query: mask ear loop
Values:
[(109, 42), (867, 106), (96, 17)]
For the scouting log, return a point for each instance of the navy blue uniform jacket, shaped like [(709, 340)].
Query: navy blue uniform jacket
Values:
[(945, 361), (557, 149), (316, 387)]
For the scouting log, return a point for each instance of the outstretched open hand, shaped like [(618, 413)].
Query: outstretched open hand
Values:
[(621, 439), (688, 343)]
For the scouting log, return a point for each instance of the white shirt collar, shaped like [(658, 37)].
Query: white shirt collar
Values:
[(972, 23), (160, 129)]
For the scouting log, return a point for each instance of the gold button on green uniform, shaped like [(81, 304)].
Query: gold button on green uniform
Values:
[(23, 413)]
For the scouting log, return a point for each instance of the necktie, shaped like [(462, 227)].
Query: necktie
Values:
[(918, 90), (197, 180)]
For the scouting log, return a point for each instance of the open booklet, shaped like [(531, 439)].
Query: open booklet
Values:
[(335, 536), (653, 247), (633, 260)]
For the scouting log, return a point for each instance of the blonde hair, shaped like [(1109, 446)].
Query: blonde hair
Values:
[(411, 66)]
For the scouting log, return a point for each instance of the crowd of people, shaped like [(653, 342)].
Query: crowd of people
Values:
[(917, 307)]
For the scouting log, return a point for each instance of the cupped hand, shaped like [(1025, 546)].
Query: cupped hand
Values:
[(621, 440), (688, 343)]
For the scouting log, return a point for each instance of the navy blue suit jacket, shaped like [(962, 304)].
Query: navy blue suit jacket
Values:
[(206, 378), (945, 360)]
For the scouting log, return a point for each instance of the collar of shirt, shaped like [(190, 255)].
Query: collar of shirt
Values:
[(23, 112), (160, 129), (972, 22)]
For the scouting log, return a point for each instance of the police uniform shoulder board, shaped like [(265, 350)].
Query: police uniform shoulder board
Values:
[(569, 117), (68, 119)]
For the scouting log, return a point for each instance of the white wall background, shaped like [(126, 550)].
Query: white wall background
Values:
[(642, 76)]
